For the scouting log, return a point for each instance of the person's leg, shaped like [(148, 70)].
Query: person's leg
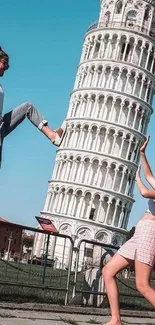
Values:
[(2, 135), (143, 274), (17, 115), (114, 266)]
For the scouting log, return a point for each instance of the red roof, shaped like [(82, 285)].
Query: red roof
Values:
[(4, 220)]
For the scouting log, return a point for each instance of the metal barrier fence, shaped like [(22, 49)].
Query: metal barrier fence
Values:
[(88, 281), (42, 279), (89, 288), (71, 274)]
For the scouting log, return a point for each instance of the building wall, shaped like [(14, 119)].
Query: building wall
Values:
[(10, 232)]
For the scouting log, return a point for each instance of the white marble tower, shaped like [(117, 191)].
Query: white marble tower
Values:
[(90, 194)]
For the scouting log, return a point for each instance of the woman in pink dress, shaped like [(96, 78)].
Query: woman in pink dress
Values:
[(140, 249)]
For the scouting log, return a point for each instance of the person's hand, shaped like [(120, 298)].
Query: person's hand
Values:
[(144, 146), (138, 173)]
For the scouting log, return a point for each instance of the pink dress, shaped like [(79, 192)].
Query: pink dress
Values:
[(142, 245)]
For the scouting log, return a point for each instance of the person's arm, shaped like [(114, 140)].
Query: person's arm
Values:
[(146, 167), (144, 191)]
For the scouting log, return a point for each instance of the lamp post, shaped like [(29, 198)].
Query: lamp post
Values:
[(9, 245)]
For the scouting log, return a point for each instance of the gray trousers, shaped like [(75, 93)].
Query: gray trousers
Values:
[(13, 118)]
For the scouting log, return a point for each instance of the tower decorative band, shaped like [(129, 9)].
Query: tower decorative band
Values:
[(91, 191)]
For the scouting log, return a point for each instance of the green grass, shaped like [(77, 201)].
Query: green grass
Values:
[(31, 275), (25, 277), (126, 286)]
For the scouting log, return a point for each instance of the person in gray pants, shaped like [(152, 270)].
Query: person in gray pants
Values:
[(12, 119)]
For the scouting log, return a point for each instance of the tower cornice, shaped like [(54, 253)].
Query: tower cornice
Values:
[(151, 2)]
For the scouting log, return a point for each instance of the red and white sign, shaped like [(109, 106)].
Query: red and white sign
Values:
[(46, 224)]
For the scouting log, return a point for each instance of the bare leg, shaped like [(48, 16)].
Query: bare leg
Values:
[(143, 274), (114, 266)]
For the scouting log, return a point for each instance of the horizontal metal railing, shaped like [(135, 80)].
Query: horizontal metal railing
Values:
[(118, 24), (81, 276), (32, 274)]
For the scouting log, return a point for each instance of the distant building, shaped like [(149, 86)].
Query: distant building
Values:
[(28, 240), (10, 239)]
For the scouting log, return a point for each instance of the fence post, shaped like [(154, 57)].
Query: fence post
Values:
[(45, 260), (69, 270)]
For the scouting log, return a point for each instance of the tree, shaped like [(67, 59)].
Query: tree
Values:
[(130, 233), (28, 240)]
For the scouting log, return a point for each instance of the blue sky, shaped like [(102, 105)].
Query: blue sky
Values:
[(44, 41)]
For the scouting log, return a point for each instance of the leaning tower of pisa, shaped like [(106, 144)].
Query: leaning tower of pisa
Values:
[(90, 194)]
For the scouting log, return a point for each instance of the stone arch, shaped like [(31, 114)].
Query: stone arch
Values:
[(147, 14), (107, 107), (111, 176), (94, 170), (118, 143), (118, 180), (94, 207), (78, 201), (70, 190), (118, 214), (65, 228), (85, 174), (103, 209), (64, 156), (119, 6), (107, 35), (111, 211), (56, 187), (83, 233), (131, 18), (130, 49), (110, 140), (70, 157), (87, 202), (97, 48), (99, 76), (102, 135), (116, 109), (100, 106), (113, 46), (107, 18), (103, 173), (138, 84), (77, 163), (132, 114), (122, 43), (123, 79), (116, 240), (131, 81), (62, 195), (94, 129), (103, 236), (124, 113), (114, 81), (99, 36)]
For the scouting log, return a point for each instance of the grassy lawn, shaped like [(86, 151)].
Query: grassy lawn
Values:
[(129, 296), (23, 278), (32, 274), (24, 284)]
